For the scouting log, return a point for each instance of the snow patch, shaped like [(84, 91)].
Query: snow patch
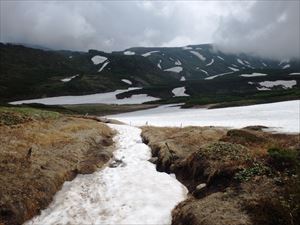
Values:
[(67, 79), (298, 73), (218, 75), (98, 59), (179, 92), (286, 84), (284, 116), (197, 54), (221, 58), (129, 53), (286, 66), (254, 75), (187, 48), (205, 72), (234, 69), (178, 63), (241, 62), (103, 66), (149, 53), (176, 69), (210, 63), (158, 64), (182, 78), (127, 81), (105, 98)]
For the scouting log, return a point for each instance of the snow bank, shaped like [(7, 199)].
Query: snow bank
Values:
[(179, 92), (149, 53), (127, 81), (176, 69), (129, 53), (103, 66), (67, 79), (105, 98), (134, 193), (98, 59), (281, 116), (253, 75), (286, 84), (197, 54)]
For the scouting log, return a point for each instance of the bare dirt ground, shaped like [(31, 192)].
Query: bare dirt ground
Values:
[(39, 151), (240, 176)]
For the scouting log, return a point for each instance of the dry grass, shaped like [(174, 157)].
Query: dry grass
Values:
[(60, 147)]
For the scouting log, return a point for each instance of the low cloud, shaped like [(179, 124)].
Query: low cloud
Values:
[(268, 29)]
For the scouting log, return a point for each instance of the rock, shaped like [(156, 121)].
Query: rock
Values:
[(153, 160), (200, 190), (117, 162)]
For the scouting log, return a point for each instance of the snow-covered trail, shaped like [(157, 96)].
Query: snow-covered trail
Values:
[(132, 193)]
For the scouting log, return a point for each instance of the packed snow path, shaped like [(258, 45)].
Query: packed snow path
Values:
[(131, 193)]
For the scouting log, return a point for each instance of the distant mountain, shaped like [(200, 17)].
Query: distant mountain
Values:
[(31, 73)]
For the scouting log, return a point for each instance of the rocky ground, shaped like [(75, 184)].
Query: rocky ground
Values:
[(39, 151), (240, 176)]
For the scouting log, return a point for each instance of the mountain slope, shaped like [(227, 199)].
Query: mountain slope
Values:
[(27, 73)]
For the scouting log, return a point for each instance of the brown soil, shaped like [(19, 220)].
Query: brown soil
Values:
[(230, 176), (38, 155)]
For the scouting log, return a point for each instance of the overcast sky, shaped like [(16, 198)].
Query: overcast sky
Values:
[(266, 28)]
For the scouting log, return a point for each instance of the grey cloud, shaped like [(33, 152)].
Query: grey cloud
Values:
[(269, 29), (81, 25)]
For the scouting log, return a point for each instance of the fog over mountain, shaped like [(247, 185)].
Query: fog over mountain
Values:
[(265, 28)]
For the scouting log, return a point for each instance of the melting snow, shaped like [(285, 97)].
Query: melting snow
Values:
[(176, 69), (134, 193), (254, 75), (286, 84), (180, 91), (294, 73), (234, 69), (282, 116), (105, 98), (197, 54), (218, 75), (129, 53), (67, 79), (148, 53), (127, 81), (98, 59), (210, 63), (103, 66)]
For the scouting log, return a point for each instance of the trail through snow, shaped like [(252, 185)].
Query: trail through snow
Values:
[(134, 193)]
